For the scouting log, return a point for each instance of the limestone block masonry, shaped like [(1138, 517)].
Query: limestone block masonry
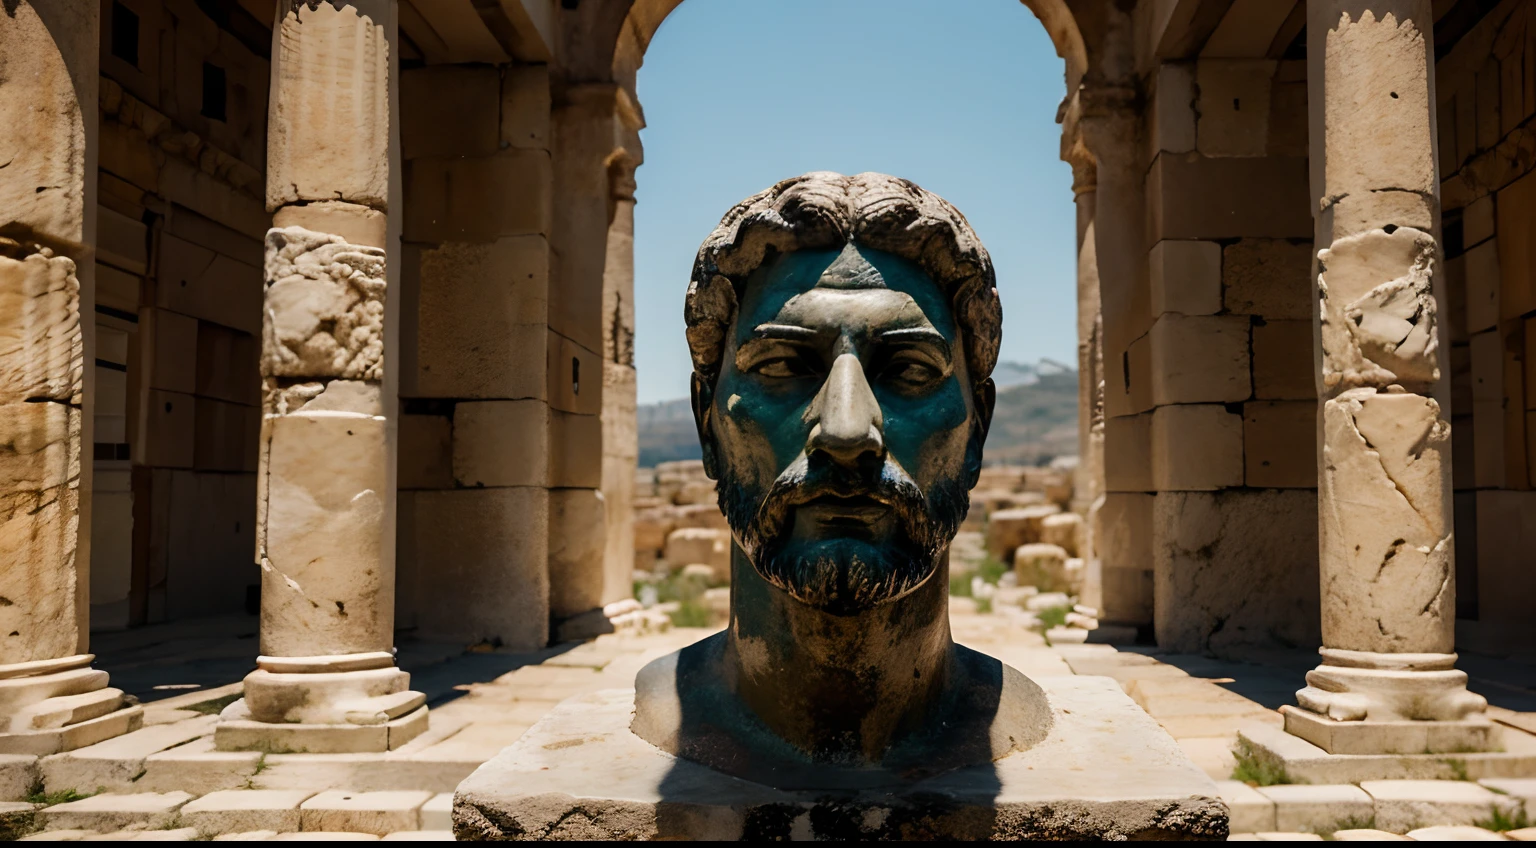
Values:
[(326, 681), (1387, 684)]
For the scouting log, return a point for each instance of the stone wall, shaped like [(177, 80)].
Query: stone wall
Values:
[(178, 314), (1486, 93), (1210, 438), (483, 427)]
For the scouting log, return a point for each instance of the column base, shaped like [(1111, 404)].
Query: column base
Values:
[(1393, 737), (347, 704), (1361, 702), (52, 706)]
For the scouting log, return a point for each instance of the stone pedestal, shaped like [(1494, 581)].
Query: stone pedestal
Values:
[(1387, 683), (50, 706), (326, 680), (1106, 771)]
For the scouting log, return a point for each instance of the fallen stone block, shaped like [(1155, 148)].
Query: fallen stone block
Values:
[(1318, 809)]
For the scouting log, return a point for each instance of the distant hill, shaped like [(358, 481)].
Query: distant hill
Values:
[(1035, 422)]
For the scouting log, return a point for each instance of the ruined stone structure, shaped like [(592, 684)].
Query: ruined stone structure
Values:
[(325, 307)]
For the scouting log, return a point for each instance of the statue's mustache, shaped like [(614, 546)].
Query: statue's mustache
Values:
[(807, 479)]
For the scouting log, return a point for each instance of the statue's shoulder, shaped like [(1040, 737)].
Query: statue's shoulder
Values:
[(664, 682)]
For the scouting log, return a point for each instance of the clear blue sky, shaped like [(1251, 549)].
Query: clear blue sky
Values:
[(959, 96)]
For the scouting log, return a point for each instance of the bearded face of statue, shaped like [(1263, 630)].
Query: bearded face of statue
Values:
[(843, 427)]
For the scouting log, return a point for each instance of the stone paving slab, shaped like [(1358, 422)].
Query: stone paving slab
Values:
[(242, 810), (1524, 834), (111, 812), (1248, 810), (1455, 833), (197, 764), (1366, 834), (18, 774), (326, 836), (363, 812), (1404, 805), (1319, 809), (419, 836), (437, 813), (116, 764)]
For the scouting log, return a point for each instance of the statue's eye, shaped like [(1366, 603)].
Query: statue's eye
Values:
[(781, 367), (911, 373)]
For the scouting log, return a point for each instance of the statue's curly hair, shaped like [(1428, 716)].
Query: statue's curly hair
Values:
[(823, 210)]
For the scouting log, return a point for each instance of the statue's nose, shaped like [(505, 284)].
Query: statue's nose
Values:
[(847, 420)]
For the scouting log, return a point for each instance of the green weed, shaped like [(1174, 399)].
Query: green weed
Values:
[(1502, 821), (217, 705), (1254, 769)]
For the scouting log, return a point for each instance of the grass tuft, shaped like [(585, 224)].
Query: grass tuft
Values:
[(217, 705), (1502, 821), (61, 796), (1053, 617), (1254, 769)]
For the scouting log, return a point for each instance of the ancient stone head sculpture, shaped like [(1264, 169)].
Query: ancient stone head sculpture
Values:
[(842, 331)]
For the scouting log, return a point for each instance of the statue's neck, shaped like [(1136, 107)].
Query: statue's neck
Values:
[(840, 688)]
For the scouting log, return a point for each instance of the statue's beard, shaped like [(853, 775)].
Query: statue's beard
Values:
[(844, 576)]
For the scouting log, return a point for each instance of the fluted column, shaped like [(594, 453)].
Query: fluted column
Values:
[(51, 700), (326, 679), (1387, 683)]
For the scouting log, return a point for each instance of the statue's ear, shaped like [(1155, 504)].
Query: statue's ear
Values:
[(985, 398), (702, 395), (986, 402)]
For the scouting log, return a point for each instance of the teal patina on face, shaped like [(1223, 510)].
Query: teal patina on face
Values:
[(843, 330), (845, 425)]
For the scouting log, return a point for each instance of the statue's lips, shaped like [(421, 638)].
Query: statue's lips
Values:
[(861, 509)]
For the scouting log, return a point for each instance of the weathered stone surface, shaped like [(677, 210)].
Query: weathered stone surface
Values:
[(1008, 529), (1384, 501), (324, 307), (109, 812), (1403, 805), (1233, 106), (331, 68), (700, 545), (1186, 277), (1378, 311), (363, 812), (1205, 602), (41, 387), (324, 493), (484, 570), (575, 551), (1199, 359), (1270, 278), (1196, 447), (1280, 444), (1317, 809), (583, 756), (1043, 566), (245, 810)]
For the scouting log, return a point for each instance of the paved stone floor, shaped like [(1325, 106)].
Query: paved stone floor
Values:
[(165, 782)]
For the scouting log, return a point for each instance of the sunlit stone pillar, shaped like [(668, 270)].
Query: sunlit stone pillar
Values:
[(1088, 487), (51, 700), (621, 445), (1387, 683), (326, 679)]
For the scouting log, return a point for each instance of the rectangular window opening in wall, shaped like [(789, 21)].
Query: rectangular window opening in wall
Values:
[(125, 34), (215, 94), (575, 375)]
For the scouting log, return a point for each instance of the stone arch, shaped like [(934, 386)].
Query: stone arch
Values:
[(645, 17)]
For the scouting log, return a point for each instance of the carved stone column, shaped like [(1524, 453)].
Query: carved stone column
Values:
[(1088, 487), (1110, 123), (1387, 683), (326, 680), (51, 700), (621, 447)]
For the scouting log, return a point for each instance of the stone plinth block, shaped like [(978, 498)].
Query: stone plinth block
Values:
[(1106, 771), (1305, 762), (1392, 737), (238, 734)]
